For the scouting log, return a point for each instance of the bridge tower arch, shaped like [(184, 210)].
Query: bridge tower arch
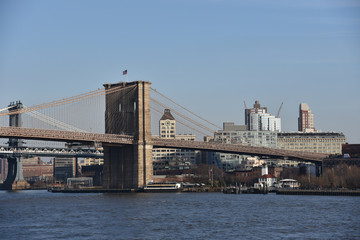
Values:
[(127, 111)]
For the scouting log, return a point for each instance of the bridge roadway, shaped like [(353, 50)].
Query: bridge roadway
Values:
[(6, 151), (113, 139), (63, 136), (239, 149)]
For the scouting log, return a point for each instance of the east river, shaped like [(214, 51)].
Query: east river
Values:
[(46, 215)]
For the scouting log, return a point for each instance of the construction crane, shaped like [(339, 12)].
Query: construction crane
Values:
[(278, 114)]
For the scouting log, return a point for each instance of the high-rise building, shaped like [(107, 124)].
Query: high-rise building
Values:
[(167, 125), (256, 109), (258, 119), (306, 119)]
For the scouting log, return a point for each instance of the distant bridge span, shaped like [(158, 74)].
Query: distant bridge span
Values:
[(118, 140), (6, 152)]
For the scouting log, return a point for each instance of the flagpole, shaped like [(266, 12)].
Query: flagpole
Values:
[(125, 73)]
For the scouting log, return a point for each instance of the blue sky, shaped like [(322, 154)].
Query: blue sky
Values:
[(208, 55)]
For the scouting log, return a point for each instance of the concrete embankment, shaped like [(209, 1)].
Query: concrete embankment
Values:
[(319, 192)]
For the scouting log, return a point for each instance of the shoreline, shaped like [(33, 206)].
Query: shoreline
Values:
[(327, 192), (334, 192)]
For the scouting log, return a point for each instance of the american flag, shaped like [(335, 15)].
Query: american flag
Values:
[(125, 72)]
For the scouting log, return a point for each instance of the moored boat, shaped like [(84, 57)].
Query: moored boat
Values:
[(163, 187)]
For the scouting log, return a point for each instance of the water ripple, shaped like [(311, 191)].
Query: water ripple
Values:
[(44, 215)]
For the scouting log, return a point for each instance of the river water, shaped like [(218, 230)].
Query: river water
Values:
[(46, 215)]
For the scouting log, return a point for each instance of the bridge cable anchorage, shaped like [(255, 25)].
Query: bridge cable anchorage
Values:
[(184, 108), (64, 101), (185, 117)]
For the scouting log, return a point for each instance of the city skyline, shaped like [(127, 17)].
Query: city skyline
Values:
[(209, 56)]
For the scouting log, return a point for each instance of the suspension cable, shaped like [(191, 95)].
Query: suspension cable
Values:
[(184, 124), (185, 117), (64, 101), (184, 108), (54, 122)]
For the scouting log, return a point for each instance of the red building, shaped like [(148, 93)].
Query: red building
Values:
[(352, 150), (248, 177), (35, 169)]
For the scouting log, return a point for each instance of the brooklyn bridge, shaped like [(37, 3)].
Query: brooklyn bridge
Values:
[(125, 133)]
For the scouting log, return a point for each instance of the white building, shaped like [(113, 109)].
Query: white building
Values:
[(267, 180), (167, 125), (264, 122), (238, 135), (258, 119), (260, 129), (165, 158), (250, 162), (257, 109)]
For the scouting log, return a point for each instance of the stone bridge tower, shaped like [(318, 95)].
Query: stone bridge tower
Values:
[(128, 112)]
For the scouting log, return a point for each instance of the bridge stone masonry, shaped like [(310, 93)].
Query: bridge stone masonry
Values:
[(129, 166), (128, 142)]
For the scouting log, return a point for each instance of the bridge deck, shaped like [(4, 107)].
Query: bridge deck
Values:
[(238, 149), (67, 136), (6, 151), (57, 135)]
